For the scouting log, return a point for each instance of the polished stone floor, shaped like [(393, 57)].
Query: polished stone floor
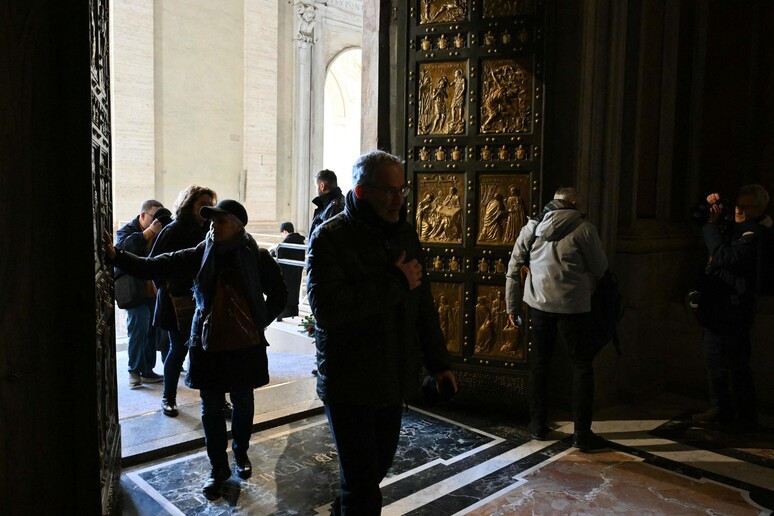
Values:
[(455, 461)]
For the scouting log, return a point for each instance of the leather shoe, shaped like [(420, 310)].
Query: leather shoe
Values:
[(211, 487), (588, 441), (244, 466), (169, 407), (541, 434)]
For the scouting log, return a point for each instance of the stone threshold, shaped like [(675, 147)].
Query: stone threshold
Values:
[(153, 435)]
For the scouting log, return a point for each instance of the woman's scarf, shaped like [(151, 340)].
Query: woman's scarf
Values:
[(242, 252)]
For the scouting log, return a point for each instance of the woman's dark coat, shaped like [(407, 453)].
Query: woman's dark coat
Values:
[(225, 370), (182, 233)]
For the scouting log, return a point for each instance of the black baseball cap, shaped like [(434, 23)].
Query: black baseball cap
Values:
[(225, 206)]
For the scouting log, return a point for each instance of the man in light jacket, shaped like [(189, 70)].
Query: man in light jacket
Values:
[(565, 259)]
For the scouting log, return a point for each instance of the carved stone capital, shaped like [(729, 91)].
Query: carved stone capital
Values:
[(306, 16)]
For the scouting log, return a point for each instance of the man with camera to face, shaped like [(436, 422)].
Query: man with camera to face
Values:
[(737, 267)]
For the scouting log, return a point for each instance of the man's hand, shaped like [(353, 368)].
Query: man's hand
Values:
[(514, 320), (713, 198), (445, 375), (411, 269), (153, 230), (107, 244)]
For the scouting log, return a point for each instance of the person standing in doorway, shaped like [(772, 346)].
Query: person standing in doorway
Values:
[(238, 289), (174, 301), (137, 237), (375, 317), (291, 273), (565, 259), (329, 201)]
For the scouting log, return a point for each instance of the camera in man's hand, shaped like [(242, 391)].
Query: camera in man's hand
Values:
[(700, 213)]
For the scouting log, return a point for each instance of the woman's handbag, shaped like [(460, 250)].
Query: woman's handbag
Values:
[(229, 325), (184, 311)]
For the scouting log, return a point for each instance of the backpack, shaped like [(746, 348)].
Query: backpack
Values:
[(606, 312)]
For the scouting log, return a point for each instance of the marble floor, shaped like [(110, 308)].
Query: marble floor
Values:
[(455, 461)]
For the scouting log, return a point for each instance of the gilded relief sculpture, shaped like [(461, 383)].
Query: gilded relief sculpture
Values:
[(506, 97), (441, 106), (499, 8), (439, 212), (495, 335), (440, 11), (501, 208), (447, 297)]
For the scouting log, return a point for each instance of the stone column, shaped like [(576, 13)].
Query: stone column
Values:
[(306, 12)]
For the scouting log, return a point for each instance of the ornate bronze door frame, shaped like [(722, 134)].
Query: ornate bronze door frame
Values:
[(108, 428), (472, 130)]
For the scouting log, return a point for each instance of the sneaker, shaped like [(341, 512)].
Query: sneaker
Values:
[(587, 441), (152, 378), (135, 380)]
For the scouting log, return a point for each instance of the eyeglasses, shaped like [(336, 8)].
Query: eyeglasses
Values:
[(403, 191)]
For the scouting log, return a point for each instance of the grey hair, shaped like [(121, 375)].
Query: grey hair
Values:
[(366, 166), (149, 205), (758, 194), (567, 194)]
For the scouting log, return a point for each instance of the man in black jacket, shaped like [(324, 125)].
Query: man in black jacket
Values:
[(727, 302), (137, 237), (374, 315), (291, 273), (329, 203)]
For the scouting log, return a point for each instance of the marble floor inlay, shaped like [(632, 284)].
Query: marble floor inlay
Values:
[(463, 463)]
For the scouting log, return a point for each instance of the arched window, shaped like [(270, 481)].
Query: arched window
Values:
[(341, 130)]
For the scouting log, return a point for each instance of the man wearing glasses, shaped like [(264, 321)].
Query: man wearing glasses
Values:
[(375, 319)]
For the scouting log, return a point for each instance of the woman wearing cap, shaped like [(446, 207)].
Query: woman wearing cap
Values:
[(227, 251), (187, 230)]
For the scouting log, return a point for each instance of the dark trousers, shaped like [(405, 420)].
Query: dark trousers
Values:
[(173, 362), (572, 330), (366, 439), (729, 375), (214, 424)]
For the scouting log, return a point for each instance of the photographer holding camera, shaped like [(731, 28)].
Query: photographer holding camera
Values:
[(738, 263)]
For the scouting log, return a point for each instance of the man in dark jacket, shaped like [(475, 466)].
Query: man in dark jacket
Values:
[(374, 314), (137, 237), (329, 203), (727, 303), (227, 262), (291, 273)]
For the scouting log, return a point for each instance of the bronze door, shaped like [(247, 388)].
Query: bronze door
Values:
[(108, 429), (473, 146)]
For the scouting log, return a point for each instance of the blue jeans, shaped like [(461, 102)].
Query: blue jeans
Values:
[(214, 423), (366, 439), (173, 363), (142, 338)]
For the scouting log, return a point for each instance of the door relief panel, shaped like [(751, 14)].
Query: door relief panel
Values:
[(472, 134)]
